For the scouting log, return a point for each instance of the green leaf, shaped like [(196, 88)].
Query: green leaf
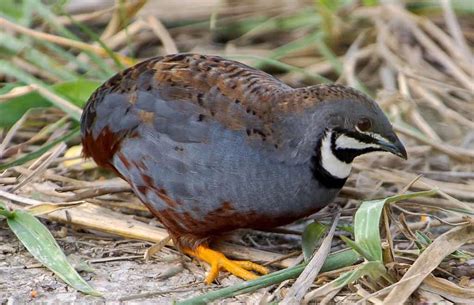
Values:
[(4, 211), (374, 270), (356, 247), (11, 8), (312, 237), (42, 245), (12, 110), (366, 229), (367, 221), (349, 228), (461, 7), (332, 5), (422, 240), (78, 92), (370, 2)]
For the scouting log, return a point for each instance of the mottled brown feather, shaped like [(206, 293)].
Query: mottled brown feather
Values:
[(260, 96)]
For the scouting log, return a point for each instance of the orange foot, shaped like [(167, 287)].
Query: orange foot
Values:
[(217, 260)]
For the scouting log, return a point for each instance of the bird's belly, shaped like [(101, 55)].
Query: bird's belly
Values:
[(204, 188)]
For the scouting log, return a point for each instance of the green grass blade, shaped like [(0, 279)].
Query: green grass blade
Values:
[(45, 12), (78, 92), (296, 45), (96, 38), (328, 54), (44, 62), (356, 247), (37, 153), (9, 69), (373, 269), (42, 245), (67, 56), (422, 240), (312, 237), (333, 262), (4, 211)]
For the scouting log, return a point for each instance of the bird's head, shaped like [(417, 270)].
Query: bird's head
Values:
[(342, 124), (357, 127)]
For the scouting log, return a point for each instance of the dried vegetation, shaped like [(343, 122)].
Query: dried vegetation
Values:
[(414, 57)]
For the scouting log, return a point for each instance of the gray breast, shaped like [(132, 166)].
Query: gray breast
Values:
[(222, 168)]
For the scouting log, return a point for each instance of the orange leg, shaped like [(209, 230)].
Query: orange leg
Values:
[(217, 260)]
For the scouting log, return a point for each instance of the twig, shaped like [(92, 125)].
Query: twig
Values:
[(410, 184), (414, 114), (156, 248), (18, 198), (439, 106), (114, 259), (306, 279), (99, 191), (122, 12), (458, 153), (53, 177), (431, 216), (156, 293), (122, 36), (55, 152), (428, 261), (59, 40), (12, 132), (455, 30), (159, 29), (16, 92)]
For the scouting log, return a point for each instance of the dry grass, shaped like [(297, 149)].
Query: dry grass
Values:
[(418, 66)]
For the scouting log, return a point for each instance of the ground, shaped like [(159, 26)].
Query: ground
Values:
[(115, 267)]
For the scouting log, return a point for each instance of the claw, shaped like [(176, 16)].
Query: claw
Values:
[(218, 261)]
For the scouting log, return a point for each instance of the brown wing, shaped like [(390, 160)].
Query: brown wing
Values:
[(236, 95)]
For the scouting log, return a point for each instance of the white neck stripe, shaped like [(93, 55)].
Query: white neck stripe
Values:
[(330, 162)]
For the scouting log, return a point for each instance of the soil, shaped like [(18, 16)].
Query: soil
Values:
[(115, 267)]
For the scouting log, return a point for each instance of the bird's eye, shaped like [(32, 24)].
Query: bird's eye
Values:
[(364, 124)]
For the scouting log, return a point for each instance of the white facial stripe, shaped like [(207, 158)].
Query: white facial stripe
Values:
[(330, 162), (346, 142), (373, 135)]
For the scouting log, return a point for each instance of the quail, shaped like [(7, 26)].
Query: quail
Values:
[(211, 145)]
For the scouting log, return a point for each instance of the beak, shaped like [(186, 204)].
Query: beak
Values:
[(396, 147)]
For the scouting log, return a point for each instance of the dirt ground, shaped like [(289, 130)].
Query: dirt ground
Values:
[(113, 266)]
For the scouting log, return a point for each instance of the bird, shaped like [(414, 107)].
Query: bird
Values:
[(211, 145)]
